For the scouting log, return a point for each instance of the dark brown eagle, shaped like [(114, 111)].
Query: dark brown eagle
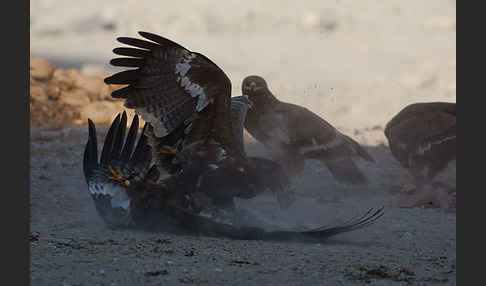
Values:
[(191, 136), (297, 134), (422, 137), (129, 192)]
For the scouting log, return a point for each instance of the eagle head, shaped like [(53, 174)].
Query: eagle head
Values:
[(256, 89), (252, 84)]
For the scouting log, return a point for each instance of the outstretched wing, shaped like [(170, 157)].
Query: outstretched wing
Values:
[(172, 87), (120, 164)]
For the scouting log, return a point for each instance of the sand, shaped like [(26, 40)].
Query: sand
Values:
[(354, 63)]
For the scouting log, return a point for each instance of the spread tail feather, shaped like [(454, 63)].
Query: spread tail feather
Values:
[(205, 226)]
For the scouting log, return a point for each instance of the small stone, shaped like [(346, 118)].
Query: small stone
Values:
[(90, 84), (53, 91), (38, 93)]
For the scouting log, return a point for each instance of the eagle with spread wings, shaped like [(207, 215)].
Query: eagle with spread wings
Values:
[(297, 134), (193, 134), (422, 137)]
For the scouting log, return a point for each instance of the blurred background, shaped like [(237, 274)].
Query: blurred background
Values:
[(356, 63)]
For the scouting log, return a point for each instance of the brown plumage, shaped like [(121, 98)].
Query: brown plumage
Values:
[(192, 135), (186, 98), (297, 134), (422, 137), (128, 192)]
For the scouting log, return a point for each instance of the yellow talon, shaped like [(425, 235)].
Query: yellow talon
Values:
[(127, 183), (117, 173)]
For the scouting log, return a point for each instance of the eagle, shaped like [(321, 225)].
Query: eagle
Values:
[(296, 134), (422, 137), (192, 134), (129, 192)]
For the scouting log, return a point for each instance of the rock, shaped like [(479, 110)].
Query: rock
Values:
[(92, 85), (41, 69), (77, 97), (68, 97), (63, 79), (38, 93), (53, 91)]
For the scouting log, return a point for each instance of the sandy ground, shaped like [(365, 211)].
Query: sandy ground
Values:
[(356, 63), (71, 245)]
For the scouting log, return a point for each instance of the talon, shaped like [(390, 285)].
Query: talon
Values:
[(117, 173), (127, 183)]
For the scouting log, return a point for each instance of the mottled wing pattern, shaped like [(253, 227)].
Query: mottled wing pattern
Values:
[(172, 86), (164, 161)]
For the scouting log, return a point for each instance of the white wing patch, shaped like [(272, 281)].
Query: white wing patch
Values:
[(118, 195), (194, 89), (423, 149)]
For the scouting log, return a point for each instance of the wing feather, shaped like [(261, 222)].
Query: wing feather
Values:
[(172, 86)]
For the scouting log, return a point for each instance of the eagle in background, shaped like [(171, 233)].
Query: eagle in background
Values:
[(297, 134), (422, 137), (186, 101)]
